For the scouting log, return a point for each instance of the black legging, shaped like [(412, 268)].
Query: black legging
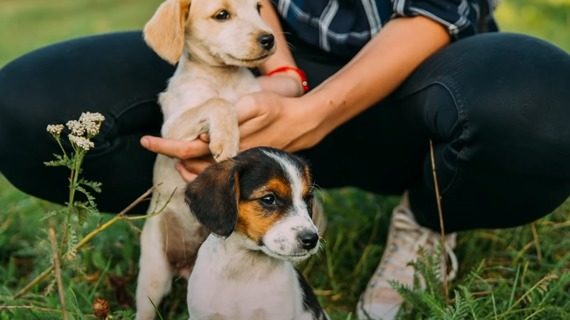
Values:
[(495, 105)]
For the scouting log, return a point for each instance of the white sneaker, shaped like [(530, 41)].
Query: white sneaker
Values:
[(405, 238)]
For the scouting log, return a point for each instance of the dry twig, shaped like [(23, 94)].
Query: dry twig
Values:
[(57, 268), (441, 224), (120, 216)]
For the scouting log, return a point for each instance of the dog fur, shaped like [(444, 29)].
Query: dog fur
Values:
[(214, 43), (258, 208)]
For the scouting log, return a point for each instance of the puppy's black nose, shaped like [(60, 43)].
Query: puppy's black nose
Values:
[(266, 41), (308, 239)]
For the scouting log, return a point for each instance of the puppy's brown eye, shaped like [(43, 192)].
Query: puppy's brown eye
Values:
[(222, 15), (269, 200), (259, 6)]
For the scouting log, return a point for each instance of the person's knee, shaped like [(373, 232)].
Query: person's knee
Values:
[(520, 71), (8, 107), (512, 105), (24, 143), (20, 105)]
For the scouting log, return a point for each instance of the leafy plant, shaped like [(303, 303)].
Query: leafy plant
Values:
[(70, 222), (81, 132), (478, 298)]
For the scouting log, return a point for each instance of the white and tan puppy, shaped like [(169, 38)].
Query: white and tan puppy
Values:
[(258, 207), (213, 42)]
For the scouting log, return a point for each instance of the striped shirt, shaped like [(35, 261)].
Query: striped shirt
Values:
[(344, 26)]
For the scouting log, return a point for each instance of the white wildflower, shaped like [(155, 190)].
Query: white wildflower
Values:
[(81, 142), (55, 129), (75, 127), (91, 128), (91, 122), (91, 116)]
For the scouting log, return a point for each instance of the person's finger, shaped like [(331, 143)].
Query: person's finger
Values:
[(254, 113), (196, 166), (205, 137), (175, 148), (246, 144), (185, 174), (248, 128), (247, 108)]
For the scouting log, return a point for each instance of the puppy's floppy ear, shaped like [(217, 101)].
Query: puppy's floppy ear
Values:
[(213, 197), (318, 216), (164, 32)]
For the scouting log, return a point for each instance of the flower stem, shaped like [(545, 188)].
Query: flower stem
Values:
[(120, 216), (58, 140), (74, 177)]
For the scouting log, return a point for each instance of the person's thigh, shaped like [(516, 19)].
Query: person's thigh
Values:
[(504, 160), (113, 74), (495, 106)]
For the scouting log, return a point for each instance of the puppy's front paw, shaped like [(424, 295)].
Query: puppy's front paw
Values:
[(222, 150)]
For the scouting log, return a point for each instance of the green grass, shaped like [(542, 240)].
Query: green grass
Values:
[(547, 19), (29, 24), (504, 274)]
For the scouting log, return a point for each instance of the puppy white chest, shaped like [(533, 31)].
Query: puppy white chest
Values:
[(192, 85), (237, 284)]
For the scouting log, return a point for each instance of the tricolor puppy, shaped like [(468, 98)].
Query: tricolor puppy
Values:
[(214, 43), (258, 207)]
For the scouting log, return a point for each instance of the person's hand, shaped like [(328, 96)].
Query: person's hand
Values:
[(194, 155), (269, 119), (266, 119)]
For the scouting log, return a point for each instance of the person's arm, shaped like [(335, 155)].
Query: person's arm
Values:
[(287, 83), (377, 70)]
